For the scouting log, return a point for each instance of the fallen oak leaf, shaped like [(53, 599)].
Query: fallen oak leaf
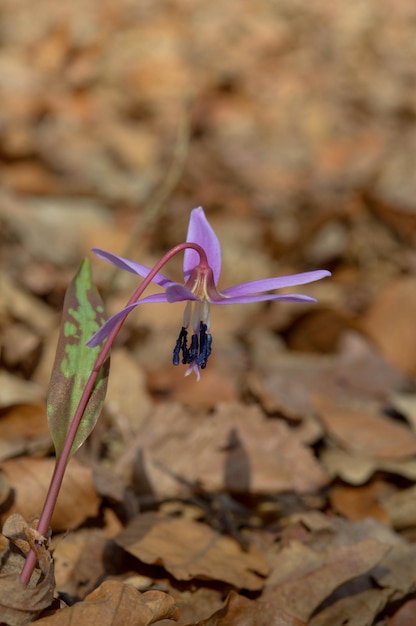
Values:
[(23, 429), (357, 503), (356, 609), (271, 448), (364, 432), (114, 603), (30, 477), (244, 612), (304, 578), (356, 470), (79, 561), (400, 507), (397, 570), (189, 549)]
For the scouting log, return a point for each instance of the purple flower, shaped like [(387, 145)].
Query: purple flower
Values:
[(200, 291)]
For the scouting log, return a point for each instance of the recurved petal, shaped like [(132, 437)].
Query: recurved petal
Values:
[(103, 332), (201, 232), (278, 282), (177, 293), (292, 297), (130, 266)]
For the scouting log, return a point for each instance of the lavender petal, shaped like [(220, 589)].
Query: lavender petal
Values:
[(267, 284), (201, 232), (130, 266)]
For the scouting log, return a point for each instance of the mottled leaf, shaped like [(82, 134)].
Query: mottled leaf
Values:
[(83, 314)]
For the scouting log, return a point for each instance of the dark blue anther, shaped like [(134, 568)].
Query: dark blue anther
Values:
[(199, 349), (207, 351), (193, 350), (180, 346), (205, 345)]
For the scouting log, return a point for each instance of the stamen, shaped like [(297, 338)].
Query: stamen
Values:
[(180, 346), (199, 349), (205, 346), (193, 350)]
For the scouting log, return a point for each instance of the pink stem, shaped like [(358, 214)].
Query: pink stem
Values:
[(62, 460)]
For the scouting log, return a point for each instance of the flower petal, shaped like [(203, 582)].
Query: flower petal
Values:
[(292, 297), (267, 284), (130, 266), (103, 332), (201, 232), (177, 293)]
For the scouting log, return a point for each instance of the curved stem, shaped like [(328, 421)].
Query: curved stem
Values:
[(62, 460)]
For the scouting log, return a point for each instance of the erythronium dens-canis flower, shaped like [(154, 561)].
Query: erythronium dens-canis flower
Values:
[(201, 271)]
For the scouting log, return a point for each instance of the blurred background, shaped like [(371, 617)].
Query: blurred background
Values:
[(292, 123)]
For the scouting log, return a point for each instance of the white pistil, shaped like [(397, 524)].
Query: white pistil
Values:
[(187, 314)]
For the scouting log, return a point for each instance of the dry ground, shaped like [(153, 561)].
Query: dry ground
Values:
[(279, 490)]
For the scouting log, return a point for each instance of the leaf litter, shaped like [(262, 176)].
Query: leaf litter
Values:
[(280, 490)]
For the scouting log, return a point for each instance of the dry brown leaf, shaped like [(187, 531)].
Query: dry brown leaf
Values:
[(241, 611), (23, 421), (59, 221), (196, 602), (361, 370), (236, 448), (357, 503), (31, 178), (189, 549), (304, 578), (30, 478), (357, 609), (288, 397), (287, 387), (345, 533), (19, 603), (390, 322), (405, 616), (397, 570), (356, 470), (116, 604), (127, 401), (83, 81), (23, 427), (134, 146), (366, 433), (317, 330), (399, 218), (406, 404), (21, 349), (401, 508), (5, 490), (14, 390), (19, 304), (312, 520), (79, 561)]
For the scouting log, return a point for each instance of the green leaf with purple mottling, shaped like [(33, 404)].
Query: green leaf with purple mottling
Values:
[(83, 313)]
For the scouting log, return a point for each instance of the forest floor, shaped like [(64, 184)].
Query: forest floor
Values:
[(280, 490)]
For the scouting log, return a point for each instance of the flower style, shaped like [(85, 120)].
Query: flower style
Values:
[(201, 276)]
